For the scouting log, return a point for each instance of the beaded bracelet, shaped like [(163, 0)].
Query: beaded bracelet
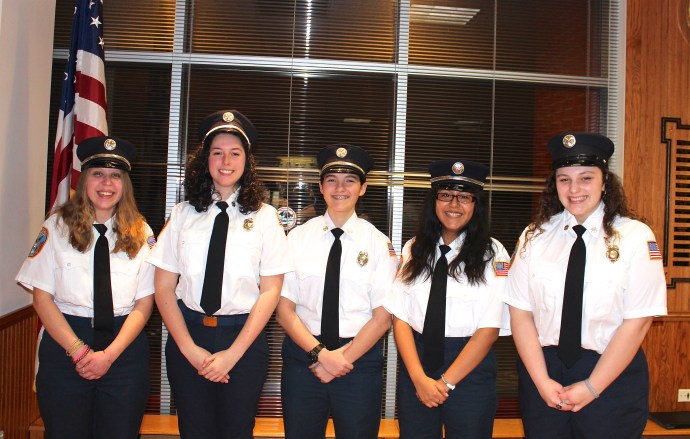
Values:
[(75, 347), (83, 355), (591, 388)]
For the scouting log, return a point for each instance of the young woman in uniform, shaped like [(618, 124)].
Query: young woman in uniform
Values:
[(585, 282), (219, 272), (93, 292), (331, 309), (448, 311)]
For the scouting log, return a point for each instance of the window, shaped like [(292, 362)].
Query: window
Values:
[(411, 81)]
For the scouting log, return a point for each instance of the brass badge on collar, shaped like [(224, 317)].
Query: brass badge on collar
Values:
[(612, 253), (362, 258), (249, 224), (341, 152)]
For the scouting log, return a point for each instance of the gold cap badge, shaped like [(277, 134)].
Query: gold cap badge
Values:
[(109, 144), (458, 168), (228, 116), (569, 141), (341, 152)]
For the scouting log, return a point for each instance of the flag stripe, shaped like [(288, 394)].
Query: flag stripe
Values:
[(83, 101)]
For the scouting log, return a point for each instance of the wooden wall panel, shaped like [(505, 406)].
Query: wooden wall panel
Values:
[(658, 87), (667, 347), (18, 406)]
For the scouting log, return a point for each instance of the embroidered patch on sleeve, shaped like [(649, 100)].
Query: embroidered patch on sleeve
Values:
[(151, 241), (501, 268), (391, 250), (654, 252), (41, 240)]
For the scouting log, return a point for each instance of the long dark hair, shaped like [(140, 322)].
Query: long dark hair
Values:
[(198, 183), (477, 249), (615, 204)]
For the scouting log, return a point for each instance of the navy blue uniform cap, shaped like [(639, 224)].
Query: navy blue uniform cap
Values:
[(227, 121), (344, 158), (460, 175), (579, 148), (106, 152)]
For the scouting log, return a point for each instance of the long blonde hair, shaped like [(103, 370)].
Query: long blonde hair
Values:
[(77, 214)]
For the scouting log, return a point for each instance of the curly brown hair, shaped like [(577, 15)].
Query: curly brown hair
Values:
[(78, 215), (198, 183), (615, 205)]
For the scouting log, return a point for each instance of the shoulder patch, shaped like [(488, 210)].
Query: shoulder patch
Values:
[(391, 250), (501, 268), (654, 252), (41, 240), (151, 241)]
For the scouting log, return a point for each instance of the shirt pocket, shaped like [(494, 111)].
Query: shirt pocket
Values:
[(546, 285), (242, 260), (603, 299), (463, 307), (124, 279), (193, 251), (355, 285), (74, 280)]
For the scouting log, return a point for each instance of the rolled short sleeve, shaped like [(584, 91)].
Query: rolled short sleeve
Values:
[(164, 254), (38, 269), (645, 290), (517, 285), (275, 258)]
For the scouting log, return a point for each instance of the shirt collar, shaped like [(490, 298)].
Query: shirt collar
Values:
[(454, 246), (593, 223), (349, 227)]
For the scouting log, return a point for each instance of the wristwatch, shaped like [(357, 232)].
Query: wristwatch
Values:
[(314, 353)]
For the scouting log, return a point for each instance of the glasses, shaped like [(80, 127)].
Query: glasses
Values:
[(445, 197)]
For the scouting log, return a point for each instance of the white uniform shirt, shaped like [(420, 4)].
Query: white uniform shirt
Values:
[(66, 273), (468, 307), (631, 287), (367, 268), (256, 246)]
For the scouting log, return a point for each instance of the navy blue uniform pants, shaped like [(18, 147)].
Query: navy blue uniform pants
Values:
[(620, 412), (469, 410), (354, 400), (208, 410), (111, 407)]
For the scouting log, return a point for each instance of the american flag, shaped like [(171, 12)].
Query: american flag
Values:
[(82, 104), (501, 268), (654, 252)]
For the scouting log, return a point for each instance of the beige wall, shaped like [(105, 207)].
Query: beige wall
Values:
[(26, 49)]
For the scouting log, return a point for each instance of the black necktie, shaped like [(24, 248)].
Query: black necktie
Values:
[(103, 320), (435, 319), (569, 350), (213, 277), (330, 331)]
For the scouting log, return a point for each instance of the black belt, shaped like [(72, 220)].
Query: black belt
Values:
[(198, 318)]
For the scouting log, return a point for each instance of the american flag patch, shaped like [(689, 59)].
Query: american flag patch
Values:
[(654, 252), (501, 268), (151, 241), (391, 250)]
